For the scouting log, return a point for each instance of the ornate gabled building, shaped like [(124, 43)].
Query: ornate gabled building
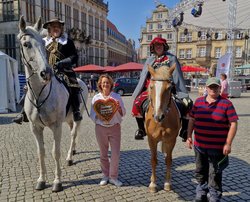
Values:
[(192, 46)]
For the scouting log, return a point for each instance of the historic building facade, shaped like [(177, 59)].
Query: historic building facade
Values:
[(85, 20), (120, 50), (192, 47)]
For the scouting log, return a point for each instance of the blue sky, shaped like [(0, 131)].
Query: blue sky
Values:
[(130, 15)]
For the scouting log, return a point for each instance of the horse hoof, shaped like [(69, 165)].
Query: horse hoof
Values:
[(57, 187), (69, 162), (167, 187), (152, 187), (74, 152), (40, 186)]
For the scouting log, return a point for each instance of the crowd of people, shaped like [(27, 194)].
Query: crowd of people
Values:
[(212, 117)]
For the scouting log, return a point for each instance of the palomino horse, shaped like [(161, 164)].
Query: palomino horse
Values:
[(46, 100), (162, 121)]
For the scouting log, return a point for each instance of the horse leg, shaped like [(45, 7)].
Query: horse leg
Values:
[(153, 148), (38, 133), (57, 132), (73, 132), (168, 161)]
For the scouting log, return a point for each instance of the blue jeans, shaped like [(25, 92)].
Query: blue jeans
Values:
[(208, 179)]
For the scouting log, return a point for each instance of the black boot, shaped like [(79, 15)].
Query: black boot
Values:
[(76, 105), (184, 127), (140, 133)]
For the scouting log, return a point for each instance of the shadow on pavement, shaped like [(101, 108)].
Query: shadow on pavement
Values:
[(135, 171)]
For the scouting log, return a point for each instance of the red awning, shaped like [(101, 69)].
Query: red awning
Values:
[(90, 68), (193, 69), (130, 66)]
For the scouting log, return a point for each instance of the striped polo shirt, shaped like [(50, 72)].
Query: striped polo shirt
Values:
[(212, 122)]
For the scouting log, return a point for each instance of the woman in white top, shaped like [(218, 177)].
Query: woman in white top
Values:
[(108, 130)]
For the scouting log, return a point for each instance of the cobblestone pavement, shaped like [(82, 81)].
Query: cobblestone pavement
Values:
[(19, 169)]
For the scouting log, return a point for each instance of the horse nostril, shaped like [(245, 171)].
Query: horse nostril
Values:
[(43, 74)]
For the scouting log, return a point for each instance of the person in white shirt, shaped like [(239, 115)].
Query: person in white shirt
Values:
[(224, 85), (108, 132)]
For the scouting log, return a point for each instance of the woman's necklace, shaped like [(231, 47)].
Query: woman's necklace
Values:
[(106, 96)]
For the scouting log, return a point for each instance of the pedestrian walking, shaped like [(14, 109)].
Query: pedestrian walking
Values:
[(214, 121), (224, 85), (107, 110)]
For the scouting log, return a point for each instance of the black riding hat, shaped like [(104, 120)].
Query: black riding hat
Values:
[(46, 24)]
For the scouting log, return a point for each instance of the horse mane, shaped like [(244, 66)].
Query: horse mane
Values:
[(162, 73)]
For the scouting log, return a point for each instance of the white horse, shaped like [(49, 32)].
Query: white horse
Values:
[(46, 100)]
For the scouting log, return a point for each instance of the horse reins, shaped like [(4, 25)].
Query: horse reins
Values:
[(26, 63)]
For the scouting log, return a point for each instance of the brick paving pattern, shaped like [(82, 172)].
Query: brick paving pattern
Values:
[(19, 168)]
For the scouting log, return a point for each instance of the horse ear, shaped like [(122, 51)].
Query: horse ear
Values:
[(151, 70), (22, 24), (172, 68), (38, 24)]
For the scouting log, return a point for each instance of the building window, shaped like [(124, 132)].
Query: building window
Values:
[(75, 18), (10, 45), (159, 26), (182, 37), (102, 30), (189, 54), (169, 36), (91, 26), (58, 9), (150, 26), (8, 10), (84, 22), (159, 15), (91, 55), (97, 29), (30, 10), (219, 35), (189, 37), (239, 35), (102, 57), (45, 10), (238, 52), (96, 56), (150, 37), (159, 35), (203, 36), (217, 52), (182, 54), (67, 17), (201, 52)]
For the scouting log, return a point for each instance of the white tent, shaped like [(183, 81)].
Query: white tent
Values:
[(9, 83)]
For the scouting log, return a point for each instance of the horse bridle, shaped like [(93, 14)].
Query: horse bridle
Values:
[(34, 71), (169, 101)]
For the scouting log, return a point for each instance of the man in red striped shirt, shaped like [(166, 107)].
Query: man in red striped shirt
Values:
[(214, 121)]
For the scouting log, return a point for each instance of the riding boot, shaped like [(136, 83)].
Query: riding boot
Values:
[(76, 105), (184, 127), (140, 133)]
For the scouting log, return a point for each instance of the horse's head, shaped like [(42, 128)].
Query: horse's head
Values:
[(33, 52), (160, 90)]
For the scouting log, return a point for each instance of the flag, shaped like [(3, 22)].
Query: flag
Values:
[(223, 65)]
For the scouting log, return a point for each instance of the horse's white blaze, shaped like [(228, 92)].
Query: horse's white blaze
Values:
[(158, 86)]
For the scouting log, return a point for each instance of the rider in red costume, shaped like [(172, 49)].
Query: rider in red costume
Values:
[(160, 57)]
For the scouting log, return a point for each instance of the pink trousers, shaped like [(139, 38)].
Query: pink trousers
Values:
[(109, 136)]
